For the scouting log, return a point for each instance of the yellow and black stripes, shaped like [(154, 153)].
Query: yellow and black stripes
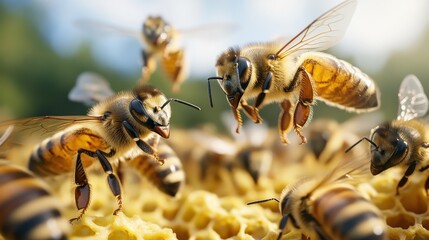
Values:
[(27, 209), (168, 177), (341, 83), (56, 154), (343, 213)]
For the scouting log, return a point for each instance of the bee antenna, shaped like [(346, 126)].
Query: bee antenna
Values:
[(263, 200), (210, 89), (180, 101), (360, 140)]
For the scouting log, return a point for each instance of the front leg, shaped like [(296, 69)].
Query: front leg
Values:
[(303, 109), (251, 112), (237, 116), (145, 147), (148, 66), (404, 179), (265, 89)]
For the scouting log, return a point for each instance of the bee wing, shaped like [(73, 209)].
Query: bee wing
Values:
[(413, 101), (6, 134), (350, 169), (208, 31), (90, 89), (42, 126), (323, 33), (93, 25)]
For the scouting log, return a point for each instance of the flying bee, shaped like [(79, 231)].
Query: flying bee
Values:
[(111, 129), (91, 88), (330, 207), (161, 41), (28, 210), (404, 141), (295, 74)]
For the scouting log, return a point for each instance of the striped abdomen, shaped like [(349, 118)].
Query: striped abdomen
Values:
[(344, 214), (339, 83), (56, 155), (168, 177), (27, 209), (173, 65)]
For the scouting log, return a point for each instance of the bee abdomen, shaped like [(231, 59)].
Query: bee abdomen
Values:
[(339, 83), (27, 210), (344, 214), (168, 177), (173, 64), (56, 155)]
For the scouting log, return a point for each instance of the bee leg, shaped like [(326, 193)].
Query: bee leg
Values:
[(318, 229), (112, 179), (251, 112), (282, 225), (427, 179), (303, 108), (404, 178), (265, 89), (140, 143), (285, 120), (82, 191), (147, 66), (237, 116)]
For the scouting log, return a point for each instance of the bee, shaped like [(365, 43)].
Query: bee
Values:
[(28, 210), (161, 42), (330, 207), (404, 141), (112, 127), (248, 153), (295, 74), (92, 88)]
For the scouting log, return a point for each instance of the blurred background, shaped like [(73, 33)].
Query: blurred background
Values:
[(42, 50)]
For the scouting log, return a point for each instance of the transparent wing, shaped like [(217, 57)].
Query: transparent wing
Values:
[(91, 25), (208, 31), (413, 101), (42, 126), (6, 134), (90, 89), (323, 33)]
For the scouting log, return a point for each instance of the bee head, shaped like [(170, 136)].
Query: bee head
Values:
[(151, 109), (157, 31), (233, 75), (388, 149)]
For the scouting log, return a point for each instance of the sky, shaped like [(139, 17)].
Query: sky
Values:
[(378, 27)]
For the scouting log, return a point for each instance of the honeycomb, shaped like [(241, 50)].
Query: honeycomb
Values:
[(215, 207)]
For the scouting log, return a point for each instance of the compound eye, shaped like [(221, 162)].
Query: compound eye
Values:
[(244, 69), (389, 151)]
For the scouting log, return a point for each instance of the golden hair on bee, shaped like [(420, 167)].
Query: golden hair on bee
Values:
[(295, 74)]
